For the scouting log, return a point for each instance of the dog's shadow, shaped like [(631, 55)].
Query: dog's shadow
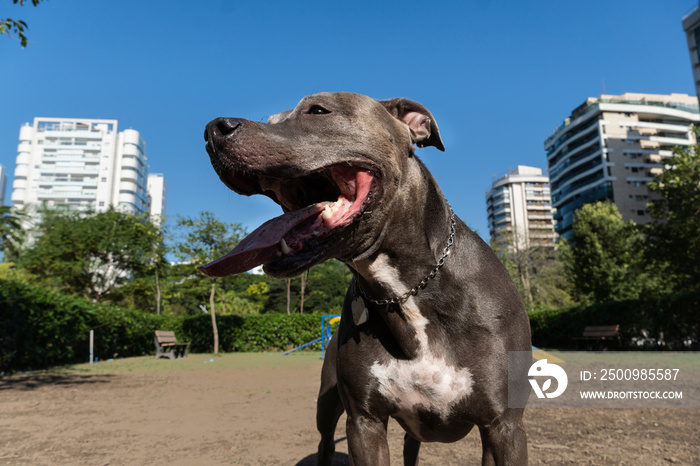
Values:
[(339, 459)]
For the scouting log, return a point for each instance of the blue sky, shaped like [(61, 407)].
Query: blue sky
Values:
[(498, 76)]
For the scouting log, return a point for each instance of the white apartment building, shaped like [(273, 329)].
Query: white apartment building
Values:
[(3, 184), (519, 205), (85, 164), (157, 190), (611, 146), (691, 26)]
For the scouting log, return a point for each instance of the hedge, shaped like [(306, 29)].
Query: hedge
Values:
[(677, 317), (40, 328), (267, 332)]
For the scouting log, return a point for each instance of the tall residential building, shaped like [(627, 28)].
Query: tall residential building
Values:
[(519, 205), (611, 146), (691, 25), (82, 163), (157, 189), (3, 184)]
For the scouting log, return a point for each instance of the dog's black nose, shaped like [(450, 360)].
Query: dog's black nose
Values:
[(221, 128)]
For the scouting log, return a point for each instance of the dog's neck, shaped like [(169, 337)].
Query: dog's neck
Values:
[(384, 274)]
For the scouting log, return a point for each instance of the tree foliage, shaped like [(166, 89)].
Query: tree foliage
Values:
[(604, 259), (204, 239), (11, 233), (91, 254), (14, 27), (675, 233), (537, 272), (324, 292)]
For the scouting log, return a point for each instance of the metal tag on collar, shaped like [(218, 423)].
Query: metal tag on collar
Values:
[(359, 310)]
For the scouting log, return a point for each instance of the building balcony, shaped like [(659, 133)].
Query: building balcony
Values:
[(18, 196), (581, 182), (130, 162), (543, 226), (130, 176), (83, 170), (673, 141), (77, 156), (570, 163), (131, 150), (128, 198), (131, 136), (60, 195), (649, 144), (129, 186), (21, 171), (26, 132)]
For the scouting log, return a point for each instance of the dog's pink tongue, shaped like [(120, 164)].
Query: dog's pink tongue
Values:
[(260, 246)]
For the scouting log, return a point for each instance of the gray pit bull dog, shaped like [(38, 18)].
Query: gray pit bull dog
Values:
[(431, 312)]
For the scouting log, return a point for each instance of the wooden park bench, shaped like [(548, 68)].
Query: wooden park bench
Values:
[(167, 345), (601, 334)]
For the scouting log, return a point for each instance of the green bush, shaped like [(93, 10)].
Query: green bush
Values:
[(40, 328), (676, 317), (197, 330), (267, 332)]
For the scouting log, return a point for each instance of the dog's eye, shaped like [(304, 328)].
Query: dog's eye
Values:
[(318, 110)]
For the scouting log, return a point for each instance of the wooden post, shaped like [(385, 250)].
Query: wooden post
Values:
[(92, 346)]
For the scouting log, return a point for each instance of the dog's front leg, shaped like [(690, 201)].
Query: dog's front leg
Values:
[(504, 442), (329, 406), (367, 443)]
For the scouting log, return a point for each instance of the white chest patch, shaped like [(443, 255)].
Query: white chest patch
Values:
[(427, 381)]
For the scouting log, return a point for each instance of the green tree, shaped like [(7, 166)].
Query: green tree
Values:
[(185, 289), (202, 240), (604, 259), (11, 233), (89, 254), (13, 27), (326, 287), (675, 232), (537, 272), (324, 290)]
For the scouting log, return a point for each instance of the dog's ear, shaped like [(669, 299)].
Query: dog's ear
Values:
[(424, 129), (277, 117)]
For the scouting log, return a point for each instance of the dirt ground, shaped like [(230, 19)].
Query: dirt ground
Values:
[(259, 409)]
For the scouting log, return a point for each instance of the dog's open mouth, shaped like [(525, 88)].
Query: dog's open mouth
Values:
[(314, 205)]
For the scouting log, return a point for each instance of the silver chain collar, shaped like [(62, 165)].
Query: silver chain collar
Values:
[(423, 283)]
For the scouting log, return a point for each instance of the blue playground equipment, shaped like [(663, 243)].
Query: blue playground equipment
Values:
[(329, 319), (326, 321)]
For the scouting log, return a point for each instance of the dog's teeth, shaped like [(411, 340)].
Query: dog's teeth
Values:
[(283, 246), (327, 212)]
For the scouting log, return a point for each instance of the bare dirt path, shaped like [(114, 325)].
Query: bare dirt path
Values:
[(259, 409)]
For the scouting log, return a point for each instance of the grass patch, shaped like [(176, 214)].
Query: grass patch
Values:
[(193, 362)]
